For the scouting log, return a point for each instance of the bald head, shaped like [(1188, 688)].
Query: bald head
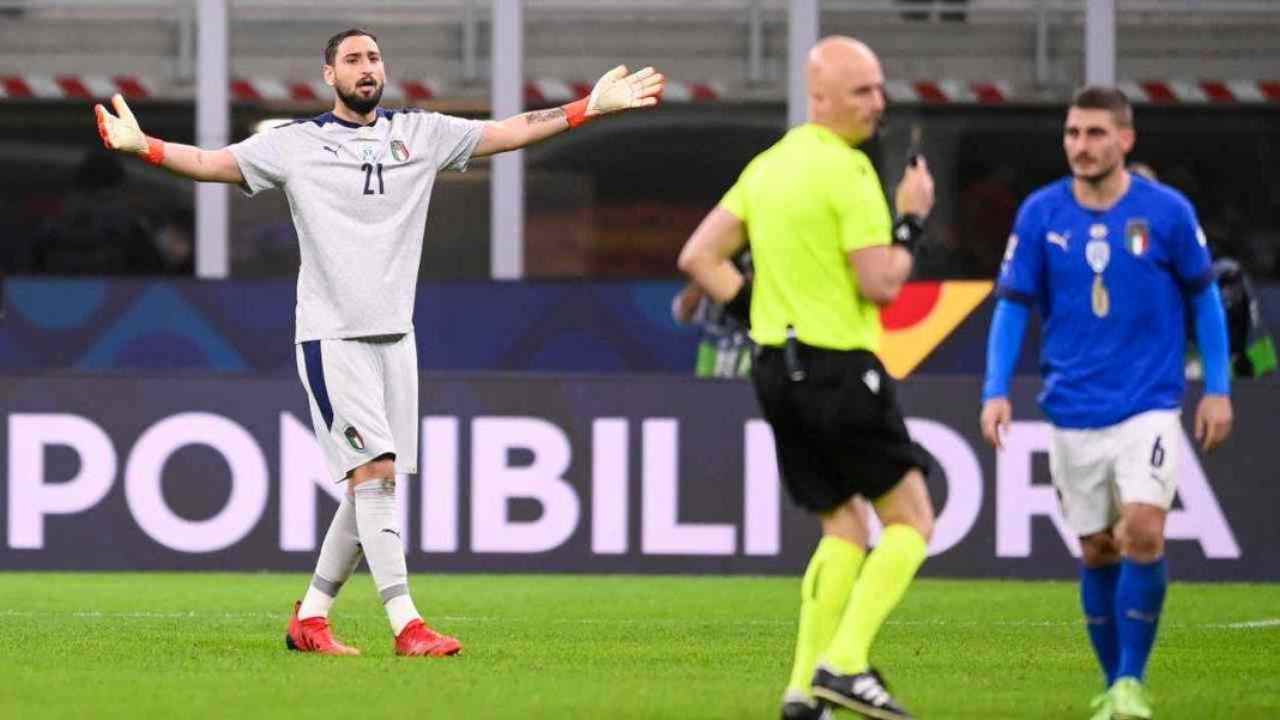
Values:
[(846, 87), (836, 57)]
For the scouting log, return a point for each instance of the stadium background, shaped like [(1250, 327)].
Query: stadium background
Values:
[(153, 420)]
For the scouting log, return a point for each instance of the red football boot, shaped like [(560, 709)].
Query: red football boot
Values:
[(314, 635), (418, 640)]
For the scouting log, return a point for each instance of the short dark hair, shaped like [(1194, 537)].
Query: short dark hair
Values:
[(331, 49), (1105, 97)]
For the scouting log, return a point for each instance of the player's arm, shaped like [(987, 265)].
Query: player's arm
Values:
[(1214, 415), (615, 91), (1021, 278), (120, 132), (883, 269), (1004, 344), (707, 259), (1193, 268)]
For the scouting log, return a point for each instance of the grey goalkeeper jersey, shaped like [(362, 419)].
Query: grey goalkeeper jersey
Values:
[(359, 197)]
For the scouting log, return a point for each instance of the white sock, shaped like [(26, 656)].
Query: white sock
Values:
[(400, 611), (339, 556), (378, 522), (314, 604)]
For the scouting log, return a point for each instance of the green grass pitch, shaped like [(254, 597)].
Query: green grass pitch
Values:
[(83, 646)]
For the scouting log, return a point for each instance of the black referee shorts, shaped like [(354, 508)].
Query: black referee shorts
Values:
[(839, 432)]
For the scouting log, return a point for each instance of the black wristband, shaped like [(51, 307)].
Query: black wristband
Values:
[(739, 308), (908, 230)]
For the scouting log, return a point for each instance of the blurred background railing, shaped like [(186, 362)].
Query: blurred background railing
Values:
[(983, 80)]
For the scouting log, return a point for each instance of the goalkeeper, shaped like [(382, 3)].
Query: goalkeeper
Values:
[(358, 179)]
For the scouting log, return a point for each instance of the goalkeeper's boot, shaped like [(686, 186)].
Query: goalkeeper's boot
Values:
[(1129, 700), (863, 692), (1101, 706), (314, 635), (800, 708), (418, 640)]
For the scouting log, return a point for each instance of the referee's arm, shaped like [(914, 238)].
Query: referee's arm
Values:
[(707, 255), (882, 270)]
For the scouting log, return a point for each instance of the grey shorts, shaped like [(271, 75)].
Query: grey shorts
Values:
[(364, 400)]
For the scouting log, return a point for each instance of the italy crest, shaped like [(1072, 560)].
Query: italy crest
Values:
[(1137, 236), (399, 151)]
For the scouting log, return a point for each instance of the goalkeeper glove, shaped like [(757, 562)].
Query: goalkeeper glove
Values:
[(616, 91), (122, 133)]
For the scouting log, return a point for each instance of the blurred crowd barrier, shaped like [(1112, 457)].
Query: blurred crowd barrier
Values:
[(982, 82), (617, 199)]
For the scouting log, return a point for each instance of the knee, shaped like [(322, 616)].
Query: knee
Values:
[(383, 468), (1143, 543), (854, 536), (908, 504), (919, 513), (1142, 533), (1099, 550), (847, 522), (919, 519)]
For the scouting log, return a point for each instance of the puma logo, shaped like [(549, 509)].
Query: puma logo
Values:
[(393, 532), (332, 150)]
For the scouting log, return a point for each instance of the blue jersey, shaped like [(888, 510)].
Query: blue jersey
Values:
[(1110, 287)]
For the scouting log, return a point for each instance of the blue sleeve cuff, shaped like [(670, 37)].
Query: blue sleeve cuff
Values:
[(1008, 327), (1007, 293), (1211, 339)]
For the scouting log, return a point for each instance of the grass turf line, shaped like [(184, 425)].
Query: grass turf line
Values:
[(210, 645)]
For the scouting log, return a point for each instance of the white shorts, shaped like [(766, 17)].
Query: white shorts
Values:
[(364, 400), (1096, 471)]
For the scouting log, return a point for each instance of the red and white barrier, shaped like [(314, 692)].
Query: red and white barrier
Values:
[(548, 91)]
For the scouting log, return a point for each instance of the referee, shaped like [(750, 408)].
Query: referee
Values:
[(827, 256)]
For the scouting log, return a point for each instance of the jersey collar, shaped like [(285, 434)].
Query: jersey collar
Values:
[(329, 117)]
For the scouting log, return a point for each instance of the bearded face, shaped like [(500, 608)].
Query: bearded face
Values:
[(357, 74), (362, 96)]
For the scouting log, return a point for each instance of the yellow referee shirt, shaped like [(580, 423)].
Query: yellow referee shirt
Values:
[(806, 202)]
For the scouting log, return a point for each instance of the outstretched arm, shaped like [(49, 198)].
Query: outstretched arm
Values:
[(120, 132), (614, 92)]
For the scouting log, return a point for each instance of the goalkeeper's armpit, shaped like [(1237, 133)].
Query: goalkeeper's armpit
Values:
[(121, 132)]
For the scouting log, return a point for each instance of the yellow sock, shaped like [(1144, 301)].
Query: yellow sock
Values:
[(823, 595), (885, 577)]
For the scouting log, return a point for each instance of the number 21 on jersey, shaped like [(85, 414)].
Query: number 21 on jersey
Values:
[(369, 170)]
